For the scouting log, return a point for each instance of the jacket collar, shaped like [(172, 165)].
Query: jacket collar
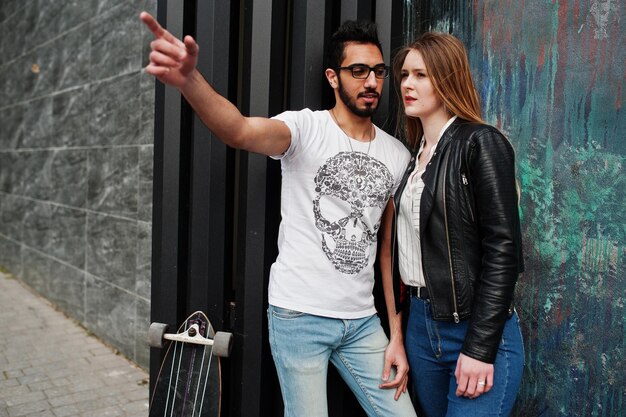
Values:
[(431, 176), (431, 171)]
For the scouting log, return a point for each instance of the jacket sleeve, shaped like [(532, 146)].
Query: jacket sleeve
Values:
[(492, 166)]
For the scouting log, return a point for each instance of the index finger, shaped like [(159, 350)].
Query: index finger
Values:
[(461, 388), (156, 29), (394, 383), (398, 378)]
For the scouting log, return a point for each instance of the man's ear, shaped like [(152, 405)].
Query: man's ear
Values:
[(331, 76)]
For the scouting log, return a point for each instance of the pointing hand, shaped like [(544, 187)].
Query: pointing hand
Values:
[(171, 61)]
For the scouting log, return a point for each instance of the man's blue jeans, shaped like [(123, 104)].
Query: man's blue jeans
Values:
[(303, 344), (433, 348)]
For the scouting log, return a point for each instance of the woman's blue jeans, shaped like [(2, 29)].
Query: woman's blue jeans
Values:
[(302, 346), (433, 348)]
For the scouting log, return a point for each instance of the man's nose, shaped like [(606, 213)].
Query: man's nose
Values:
[(371, 79)]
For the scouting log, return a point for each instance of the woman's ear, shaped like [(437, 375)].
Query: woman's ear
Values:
[(331, 76)]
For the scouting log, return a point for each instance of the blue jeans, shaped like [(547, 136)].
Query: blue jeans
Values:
[(303, 344), (433, 348)]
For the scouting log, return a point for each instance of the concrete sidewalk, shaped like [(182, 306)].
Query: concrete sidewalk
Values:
[(50, 366)]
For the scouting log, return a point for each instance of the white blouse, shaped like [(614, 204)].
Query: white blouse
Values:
[(409, 246)]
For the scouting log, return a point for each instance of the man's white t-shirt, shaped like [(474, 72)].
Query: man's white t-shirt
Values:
[(334, 190)]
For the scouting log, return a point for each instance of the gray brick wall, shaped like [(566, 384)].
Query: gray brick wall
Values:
[(76, 147)]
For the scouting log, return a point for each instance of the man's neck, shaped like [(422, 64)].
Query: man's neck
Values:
[(356, 127)]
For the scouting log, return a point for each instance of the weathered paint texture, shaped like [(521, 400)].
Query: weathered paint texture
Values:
[(551, 75)]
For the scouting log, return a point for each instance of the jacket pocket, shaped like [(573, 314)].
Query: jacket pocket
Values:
[(467, 196)]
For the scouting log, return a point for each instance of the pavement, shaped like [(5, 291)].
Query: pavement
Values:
[(52, 367)]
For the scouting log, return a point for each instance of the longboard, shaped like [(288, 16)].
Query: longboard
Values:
[(189, 382)]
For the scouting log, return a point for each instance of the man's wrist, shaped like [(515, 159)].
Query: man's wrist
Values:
[(396, 337), (191, 82)]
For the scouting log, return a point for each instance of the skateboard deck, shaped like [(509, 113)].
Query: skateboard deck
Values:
[(189, 382)]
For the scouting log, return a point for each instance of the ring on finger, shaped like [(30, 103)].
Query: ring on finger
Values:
[(481, 383)]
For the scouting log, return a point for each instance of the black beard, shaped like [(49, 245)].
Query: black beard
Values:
[(351, 103)]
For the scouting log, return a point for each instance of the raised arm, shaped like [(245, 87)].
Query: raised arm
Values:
[(173, 62)]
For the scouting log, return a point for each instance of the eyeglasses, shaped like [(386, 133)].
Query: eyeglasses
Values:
[(362, 71)]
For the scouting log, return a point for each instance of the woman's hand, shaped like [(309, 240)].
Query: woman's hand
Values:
[(473, 377)]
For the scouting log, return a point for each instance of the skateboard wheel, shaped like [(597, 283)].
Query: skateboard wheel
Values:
[(222, 344), (156, 333)]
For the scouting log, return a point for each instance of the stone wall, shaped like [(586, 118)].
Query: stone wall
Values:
[(76, 149)]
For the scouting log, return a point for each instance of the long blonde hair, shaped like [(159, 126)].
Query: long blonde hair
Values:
[(447, 65)]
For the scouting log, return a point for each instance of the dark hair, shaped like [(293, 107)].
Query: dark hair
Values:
[(363, 32)]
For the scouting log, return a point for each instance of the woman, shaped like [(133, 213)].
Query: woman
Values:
[(452, 246)]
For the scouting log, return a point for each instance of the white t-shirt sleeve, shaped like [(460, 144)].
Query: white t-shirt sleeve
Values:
[(293, 119)]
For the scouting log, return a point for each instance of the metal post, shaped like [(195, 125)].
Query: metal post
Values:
[(166, 187)]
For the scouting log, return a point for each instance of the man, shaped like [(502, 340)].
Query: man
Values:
[(339, 171)]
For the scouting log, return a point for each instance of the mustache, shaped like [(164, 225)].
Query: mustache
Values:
[(369, 92)]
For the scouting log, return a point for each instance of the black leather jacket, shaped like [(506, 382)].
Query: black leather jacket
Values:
[(470, 233)]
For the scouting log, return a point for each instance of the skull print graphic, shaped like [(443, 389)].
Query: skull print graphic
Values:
[(360, 185)]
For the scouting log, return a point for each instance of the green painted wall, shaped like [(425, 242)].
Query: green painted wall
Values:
[(551, 76)]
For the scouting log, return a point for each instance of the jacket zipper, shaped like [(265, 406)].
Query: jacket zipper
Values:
[(445, 218), (467, 199)]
